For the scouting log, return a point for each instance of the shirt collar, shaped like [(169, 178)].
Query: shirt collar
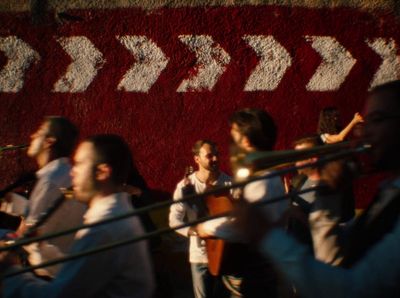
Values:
[(216, 182), (100, 208), (51, 166)]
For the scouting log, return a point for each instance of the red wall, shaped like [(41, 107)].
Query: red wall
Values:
[(162, 124)]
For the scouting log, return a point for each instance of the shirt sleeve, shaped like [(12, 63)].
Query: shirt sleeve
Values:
[(376, 275), (265, 190), (177, 212), (43, 197), (75, 279)]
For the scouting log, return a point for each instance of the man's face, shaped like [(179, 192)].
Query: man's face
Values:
[(237, 136), (207, 158), (38, 140), (83, 172), (309, 170), (381, 130)]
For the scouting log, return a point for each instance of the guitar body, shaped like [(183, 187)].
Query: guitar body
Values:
[(216, 247)]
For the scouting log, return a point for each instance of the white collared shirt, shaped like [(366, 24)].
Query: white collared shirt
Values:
[(51, 178), (181, 213), (123, 271)]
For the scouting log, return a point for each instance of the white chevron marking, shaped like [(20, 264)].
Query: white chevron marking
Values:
[(274, 62), (20, 56), (335, 66), (86, 61), (150, 62), (389, 69), (210, 65)]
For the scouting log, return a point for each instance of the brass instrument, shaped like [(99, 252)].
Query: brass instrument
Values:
[(272, 160), (13, 147)]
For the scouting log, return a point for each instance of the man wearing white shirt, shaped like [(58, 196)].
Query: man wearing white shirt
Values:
[(51, 145), (101, 167), (208, 174), (252, 130)]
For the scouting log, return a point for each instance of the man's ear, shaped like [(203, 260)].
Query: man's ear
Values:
[(245, 142), (49, 142), (196, 159), (103, 172)]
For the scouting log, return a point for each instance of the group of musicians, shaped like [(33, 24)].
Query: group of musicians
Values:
[(307, 246)]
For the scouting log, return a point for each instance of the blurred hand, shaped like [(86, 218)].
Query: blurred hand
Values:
[(202, 232), (132, 190), (357, 118), (192, 231), (8, 197), (22, 229), (6, 200)]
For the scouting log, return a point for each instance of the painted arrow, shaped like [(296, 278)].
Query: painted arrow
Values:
[(274, 62), (86, 61), (389, 69), (335, 66), (150, 62), (210, 65), (20, 56)]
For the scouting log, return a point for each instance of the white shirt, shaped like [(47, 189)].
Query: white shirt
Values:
[(376, 275), (181, 213), (261, 190), (51, 178), (124, 271)]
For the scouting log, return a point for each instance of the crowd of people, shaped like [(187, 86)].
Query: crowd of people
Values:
[(309, 245)]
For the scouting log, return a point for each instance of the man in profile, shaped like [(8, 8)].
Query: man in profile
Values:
[(328, 207), (51, 146), (101, 167), (252, 130)]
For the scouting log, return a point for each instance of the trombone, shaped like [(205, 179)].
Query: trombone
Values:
[(13, 148), (253, 162)]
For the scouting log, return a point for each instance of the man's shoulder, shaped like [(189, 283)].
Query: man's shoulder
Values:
[(180, 184), (60, 170), (223, 177)]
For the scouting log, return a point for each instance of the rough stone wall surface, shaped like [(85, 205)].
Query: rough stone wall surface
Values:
[(165, 77), (24, 5)]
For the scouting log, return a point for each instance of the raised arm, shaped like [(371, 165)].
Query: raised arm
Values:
[(329, 139)]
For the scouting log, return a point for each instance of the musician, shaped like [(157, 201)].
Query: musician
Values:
[(51, 145), (372, 260), (101, 167), (301, 205), (208, 174), (329, 207), (252, 130)]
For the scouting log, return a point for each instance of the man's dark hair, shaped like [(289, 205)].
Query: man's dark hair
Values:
[(328, 121), (197, 146), (313, 139), (115, 152), (65, 134), (390, 90), (258, 126)]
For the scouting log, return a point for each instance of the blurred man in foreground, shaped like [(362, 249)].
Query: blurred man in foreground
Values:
[(101, 167), (371, 256)]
